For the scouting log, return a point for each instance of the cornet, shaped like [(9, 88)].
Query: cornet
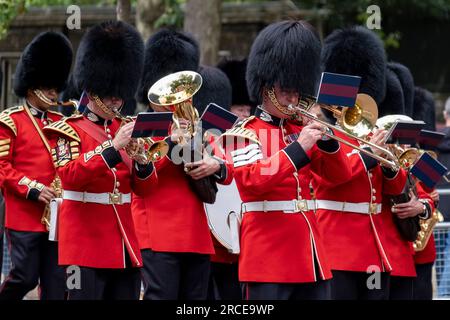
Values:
[(143, 150)]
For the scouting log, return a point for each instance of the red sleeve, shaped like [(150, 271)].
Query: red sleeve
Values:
[(394, 182), (423, 193), (333, 167), (78, 169), (13, 179)]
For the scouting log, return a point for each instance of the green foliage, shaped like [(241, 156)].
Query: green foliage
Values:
[(172, 16), (10, 9)]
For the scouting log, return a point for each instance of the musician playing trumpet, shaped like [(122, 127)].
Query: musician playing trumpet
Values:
[(96, 230)]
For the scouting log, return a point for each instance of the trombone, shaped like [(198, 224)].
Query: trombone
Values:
[(356, 122)]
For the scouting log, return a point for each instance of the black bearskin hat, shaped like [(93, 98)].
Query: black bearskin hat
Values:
[(216, 88), (166, 52), (424, 108), (394, 101), (45, 63), (109, 60), (407, 82), (286, 53), (357, 51), (235, 71)]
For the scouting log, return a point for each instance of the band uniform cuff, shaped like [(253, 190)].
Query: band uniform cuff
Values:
[(329, 146), (33, 194), (111, 156), (171, 145), (368, 161), (143, 171), (388, 172), (297, 155)]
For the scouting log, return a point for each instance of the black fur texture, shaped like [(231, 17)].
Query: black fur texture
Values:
[(286, 53), (109, 60), (45, 64), (166, 52)]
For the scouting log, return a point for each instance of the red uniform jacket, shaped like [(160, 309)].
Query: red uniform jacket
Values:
[(172, 218), (276, 246), (399, 251), (25, 165), (428, 254), (90, 234), (353, 241), (222, 255)]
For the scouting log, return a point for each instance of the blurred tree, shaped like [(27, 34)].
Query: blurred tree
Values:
[(147, 13), (202, 19), (123, 10), (344, 13), (9, 9)]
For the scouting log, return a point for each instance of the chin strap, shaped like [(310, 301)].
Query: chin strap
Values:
[(287, 110), (41, 96), (103, 107)]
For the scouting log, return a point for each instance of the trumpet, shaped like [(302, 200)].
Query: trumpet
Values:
[(177, 90), (143, 150), (356, 122)]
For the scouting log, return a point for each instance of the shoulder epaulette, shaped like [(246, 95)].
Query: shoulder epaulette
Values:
[(5, 118), (242, 123), (239, 130), (63, 127)]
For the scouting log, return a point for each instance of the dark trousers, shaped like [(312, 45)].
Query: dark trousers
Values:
[(401, 288), (175, 276), (350, 285), (224, 282), (423, 286), (288, 291), (107, 284), (34, 260)]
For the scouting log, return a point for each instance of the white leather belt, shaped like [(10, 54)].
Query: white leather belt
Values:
[(100, 198), (289, 206), (363, 207)]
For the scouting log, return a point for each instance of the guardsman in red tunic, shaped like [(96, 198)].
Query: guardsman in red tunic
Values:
[(27, 168), (173, 232), (401, 251), (96, 230), (282, 256), (348, 213)]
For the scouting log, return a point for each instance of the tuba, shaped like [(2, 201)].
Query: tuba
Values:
[(426, 230), (176, 90), (355, 122)]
